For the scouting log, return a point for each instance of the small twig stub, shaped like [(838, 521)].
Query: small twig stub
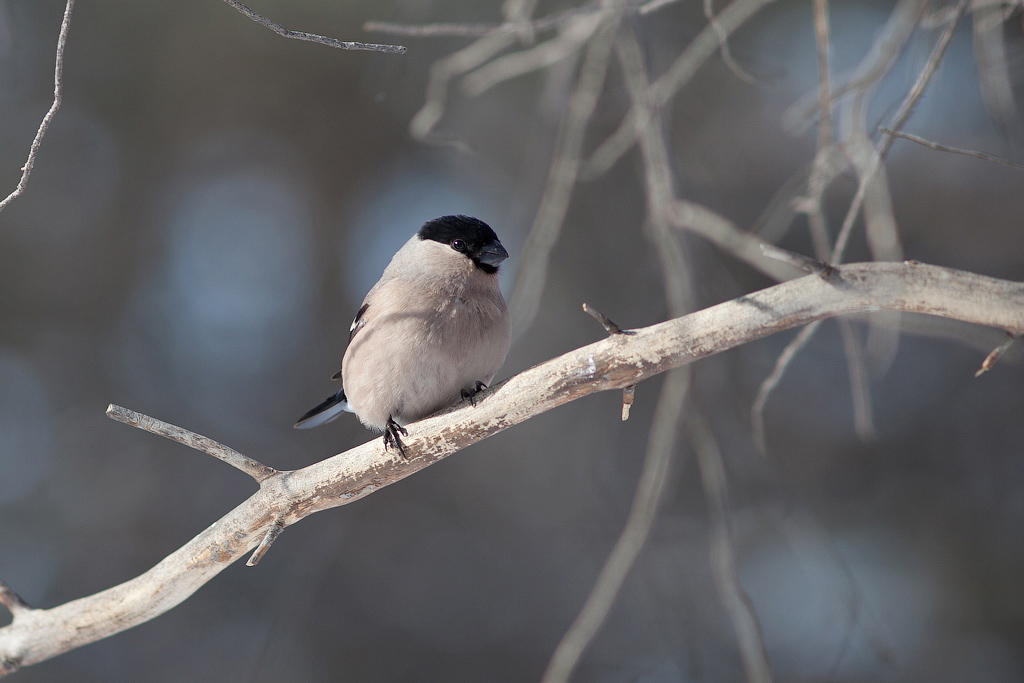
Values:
[(994, 355), (807, 264), (627, 400), (11, 600), (609, 326), (272, 533)]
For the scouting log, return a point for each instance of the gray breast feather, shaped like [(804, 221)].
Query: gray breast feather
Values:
[(415, 351)]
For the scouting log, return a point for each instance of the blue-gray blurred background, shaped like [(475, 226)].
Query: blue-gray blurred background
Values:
[(207, 211)]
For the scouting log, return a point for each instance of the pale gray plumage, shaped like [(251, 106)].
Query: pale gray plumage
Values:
[(431, 331)]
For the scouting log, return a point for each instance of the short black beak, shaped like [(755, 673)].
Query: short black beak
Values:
[(492, 253)]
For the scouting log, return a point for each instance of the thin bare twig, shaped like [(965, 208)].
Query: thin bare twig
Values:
[(723, 41), (312, 37), (723, 557), (58, 87), (873, 195), (955, 150), (477, 30), (993, 65), (554, 203), (444, 70), (821, 176), (821, 34), (653, 6), (994, 355), (880, 226), (879, 221), (769, 384), (517, 10), (12, 601), (572, 36), (437, 30), (741, 245), (887, 46), (480, 29), (862, 413), (254, 469), (898, 120), (669, 83), (823, 170)]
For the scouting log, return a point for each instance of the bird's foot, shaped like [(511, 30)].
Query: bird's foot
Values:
[(391, 439), (480, 386)]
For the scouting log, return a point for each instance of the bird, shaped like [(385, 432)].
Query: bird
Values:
[(433, 330)]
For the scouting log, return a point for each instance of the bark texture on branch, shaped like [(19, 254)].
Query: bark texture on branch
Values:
[(613, 363)]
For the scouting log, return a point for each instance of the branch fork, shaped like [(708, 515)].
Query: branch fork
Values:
[(243, 463)]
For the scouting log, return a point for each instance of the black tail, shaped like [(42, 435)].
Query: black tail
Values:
[(325, 412)]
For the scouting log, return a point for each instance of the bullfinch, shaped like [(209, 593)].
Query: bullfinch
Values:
[(432, 331)]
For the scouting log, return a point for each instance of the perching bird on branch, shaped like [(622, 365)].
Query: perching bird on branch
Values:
[(432, 331)]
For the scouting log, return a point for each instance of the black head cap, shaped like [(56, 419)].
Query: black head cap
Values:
[(469, 236)]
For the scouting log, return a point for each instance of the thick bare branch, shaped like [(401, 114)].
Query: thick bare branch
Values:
[(312, 37), (612, 363), (58, 87)]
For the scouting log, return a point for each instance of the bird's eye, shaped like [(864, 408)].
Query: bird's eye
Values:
[(458, 245)]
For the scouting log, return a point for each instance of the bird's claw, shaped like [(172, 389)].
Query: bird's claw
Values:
[(391, 437), (480, 386)]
